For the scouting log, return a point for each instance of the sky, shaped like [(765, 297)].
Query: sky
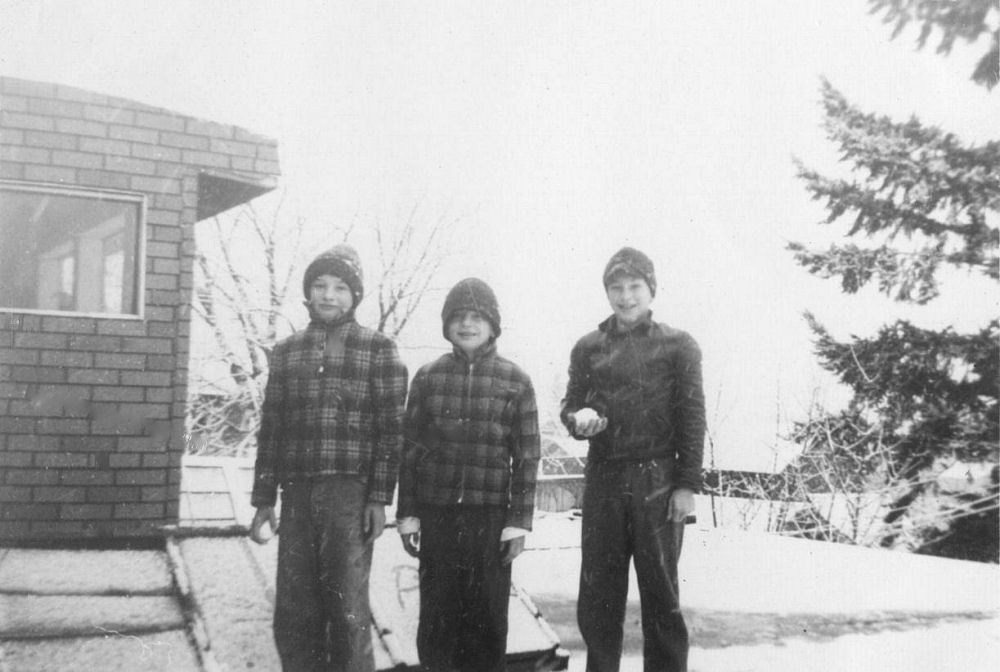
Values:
[(555, 133)]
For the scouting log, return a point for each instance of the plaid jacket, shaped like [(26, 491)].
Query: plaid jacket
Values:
[(342, 415), (471, 437), (647, 383)]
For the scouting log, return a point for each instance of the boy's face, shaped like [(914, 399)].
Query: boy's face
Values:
[(629, 297), (330, 297), (469, 329)]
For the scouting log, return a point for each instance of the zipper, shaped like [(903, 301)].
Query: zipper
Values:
[(466, 408), (468, 393)]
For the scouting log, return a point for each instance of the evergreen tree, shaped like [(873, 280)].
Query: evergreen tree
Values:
[(954, 19), (921, 201)]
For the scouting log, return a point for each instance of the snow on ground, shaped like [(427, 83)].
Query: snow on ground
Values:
[(965, 647), (972, 646), (884, 610), (731, 570), (957, 647)]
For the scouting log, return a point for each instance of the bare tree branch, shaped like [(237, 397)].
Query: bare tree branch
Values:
[(243, 279)]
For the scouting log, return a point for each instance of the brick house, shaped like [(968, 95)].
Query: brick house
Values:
[(98, 201)]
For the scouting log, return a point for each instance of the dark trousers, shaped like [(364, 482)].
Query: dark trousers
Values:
[(464, 590), (625, 516), (321, 617)]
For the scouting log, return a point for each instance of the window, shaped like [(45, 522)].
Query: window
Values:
[(65, 250)]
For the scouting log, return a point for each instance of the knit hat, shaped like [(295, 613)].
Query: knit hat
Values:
[(630, 261), (471, 294), (342, 261)]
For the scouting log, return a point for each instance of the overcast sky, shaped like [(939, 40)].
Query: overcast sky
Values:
[(556, 132)]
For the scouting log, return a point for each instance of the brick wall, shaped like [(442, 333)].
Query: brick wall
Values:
[(92, 408)]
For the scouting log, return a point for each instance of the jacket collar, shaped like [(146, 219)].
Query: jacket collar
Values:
[(640, 328), (487, 349), (322, 327)]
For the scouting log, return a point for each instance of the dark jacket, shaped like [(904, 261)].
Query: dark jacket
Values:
[(341, 415), (471, 437), (647, 383)]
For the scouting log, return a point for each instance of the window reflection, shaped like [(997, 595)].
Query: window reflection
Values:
[(74, 251)]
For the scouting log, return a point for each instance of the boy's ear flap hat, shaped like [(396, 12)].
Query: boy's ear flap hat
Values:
[(471, 294), (631, 262), (342, 261)]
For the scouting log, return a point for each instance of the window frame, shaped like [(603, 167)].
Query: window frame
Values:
[(138, 199)]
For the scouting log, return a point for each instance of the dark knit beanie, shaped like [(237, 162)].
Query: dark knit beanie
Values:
[(631, 262), (471, 294), (342, 261)]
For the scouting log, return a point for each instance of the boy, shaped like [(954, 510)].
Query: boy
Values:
[(467, 485), (635, 391), (330, 435)]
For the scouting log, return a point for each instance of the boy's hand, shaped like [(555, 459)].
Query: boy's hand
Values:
[(411, 543), (373, 521), (510, 549), (588, 422), (681, 505), (264, 515)]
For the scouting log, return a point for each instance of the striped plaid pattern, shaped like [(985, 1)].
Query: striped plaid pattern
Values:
[(471, 437), (342, 415)]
